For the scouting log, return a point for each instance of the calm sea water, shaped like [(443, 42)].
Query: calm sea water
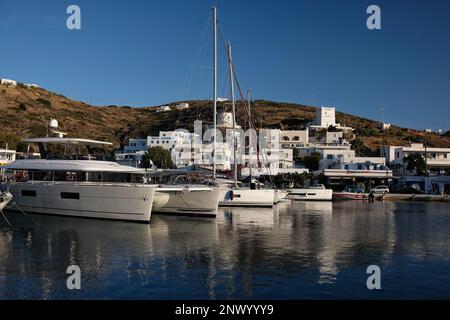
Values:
[(295, 251)]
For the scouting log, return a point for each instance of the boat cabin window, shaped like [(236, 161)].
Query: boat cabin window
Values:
[(28, 193), (78, 176)]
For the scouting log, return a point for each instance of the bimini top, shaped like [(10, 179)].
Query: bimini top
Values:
[(67, 141), (72, 165)]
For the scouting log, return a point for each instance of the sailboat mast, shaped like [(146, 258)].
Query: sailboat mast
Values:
[(214, 9), (250, 136), (233, 102)]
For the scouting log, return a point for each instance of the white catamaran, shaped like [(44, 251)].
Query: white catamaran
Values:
[(75, 185)]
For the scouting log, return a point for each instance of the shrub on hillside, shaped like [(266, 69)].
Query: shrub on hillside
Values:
[(44, 102)]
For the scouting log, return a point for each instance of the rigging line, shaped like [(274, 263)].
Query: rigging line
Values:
[(251, 123), (244, 102), (197, 54)]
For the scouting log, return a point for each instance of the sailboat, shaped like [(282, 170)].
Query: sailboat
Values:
[(231, 192)]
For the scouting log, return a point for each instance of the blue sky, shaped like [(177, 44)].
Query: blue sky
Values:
[(142, 53)]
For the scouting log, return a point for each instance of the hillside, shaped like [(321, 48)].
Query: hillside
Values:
[(24, 112)]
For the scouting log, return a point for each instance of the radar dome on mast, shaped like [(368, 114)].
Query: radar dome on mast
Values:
[(53, 125)]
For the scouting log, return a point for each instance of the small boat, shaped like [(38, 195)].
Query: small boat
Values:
[(313, 193), (351, 193)]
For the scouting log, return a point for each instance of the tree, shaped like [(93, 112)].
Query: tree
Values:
[(357, 145), (416, 162), (312, 162), (159, 156)]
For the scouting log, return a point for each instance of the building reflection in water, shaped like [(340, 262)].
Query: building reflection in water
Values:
[(244, 253)]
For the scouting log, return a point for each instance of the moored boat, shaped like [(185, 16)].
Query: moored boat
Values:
[(351, 193), (314, 193), (201, 201), (80, 188)]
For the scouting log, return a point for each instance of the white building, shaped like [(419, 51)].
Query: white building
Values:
[(6, 157), (8, 82), (183, 146), (385, 126), (294, 138), (326, 117), (339, 163), (182, 106), (135, 145), (31, 85), (437, 159), (163, 109)]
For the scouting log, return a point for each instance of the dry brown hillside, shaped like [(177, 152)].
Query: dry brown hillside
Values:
[(24, 112)]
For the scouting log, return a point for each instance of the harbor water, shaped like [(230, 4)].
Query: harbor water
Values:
[(294, 251)]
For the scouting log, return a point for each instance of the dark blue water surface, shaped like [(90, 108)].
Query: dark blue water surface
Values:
[(295, 251)]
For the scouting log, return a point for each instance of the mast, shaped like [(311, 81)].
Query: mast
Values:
[(214, 9), (250, 136), (230, 63)]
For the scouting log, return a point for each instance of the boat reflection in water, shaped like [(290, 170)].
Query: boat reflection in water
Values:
[(295, 250)]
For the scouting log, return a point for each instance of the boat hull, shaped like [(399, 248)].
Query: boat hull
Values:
[(188, 200), (90, 200), (247, 197), (350, 196), (310, 194)]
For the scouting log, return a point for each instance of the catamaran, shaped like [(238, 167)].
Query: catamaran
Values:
[(189, 200), (80, 186)]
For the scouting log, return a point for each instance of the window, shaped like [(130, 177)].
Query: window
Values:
[(330, 157), (70, 195), (346, 167), (28, 193)]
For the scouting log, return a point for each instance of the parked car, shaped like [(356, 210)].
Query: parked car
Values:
[(317, 186), (353, 189), (381, 189)]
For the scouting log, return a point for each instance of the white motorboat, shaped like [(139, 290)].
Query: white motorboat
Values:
[(189, 200), (80, 188), (313, 193)]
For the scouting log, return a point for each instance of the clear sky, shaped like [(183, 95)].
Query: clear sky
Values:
[(142, 53)]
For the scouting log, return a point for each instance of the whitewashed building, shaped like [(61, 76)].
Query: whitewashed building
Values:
[(182, 106), (163, 109), (8, 82), (31, 85), (6, 157), (437, 159), (326, 117)]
